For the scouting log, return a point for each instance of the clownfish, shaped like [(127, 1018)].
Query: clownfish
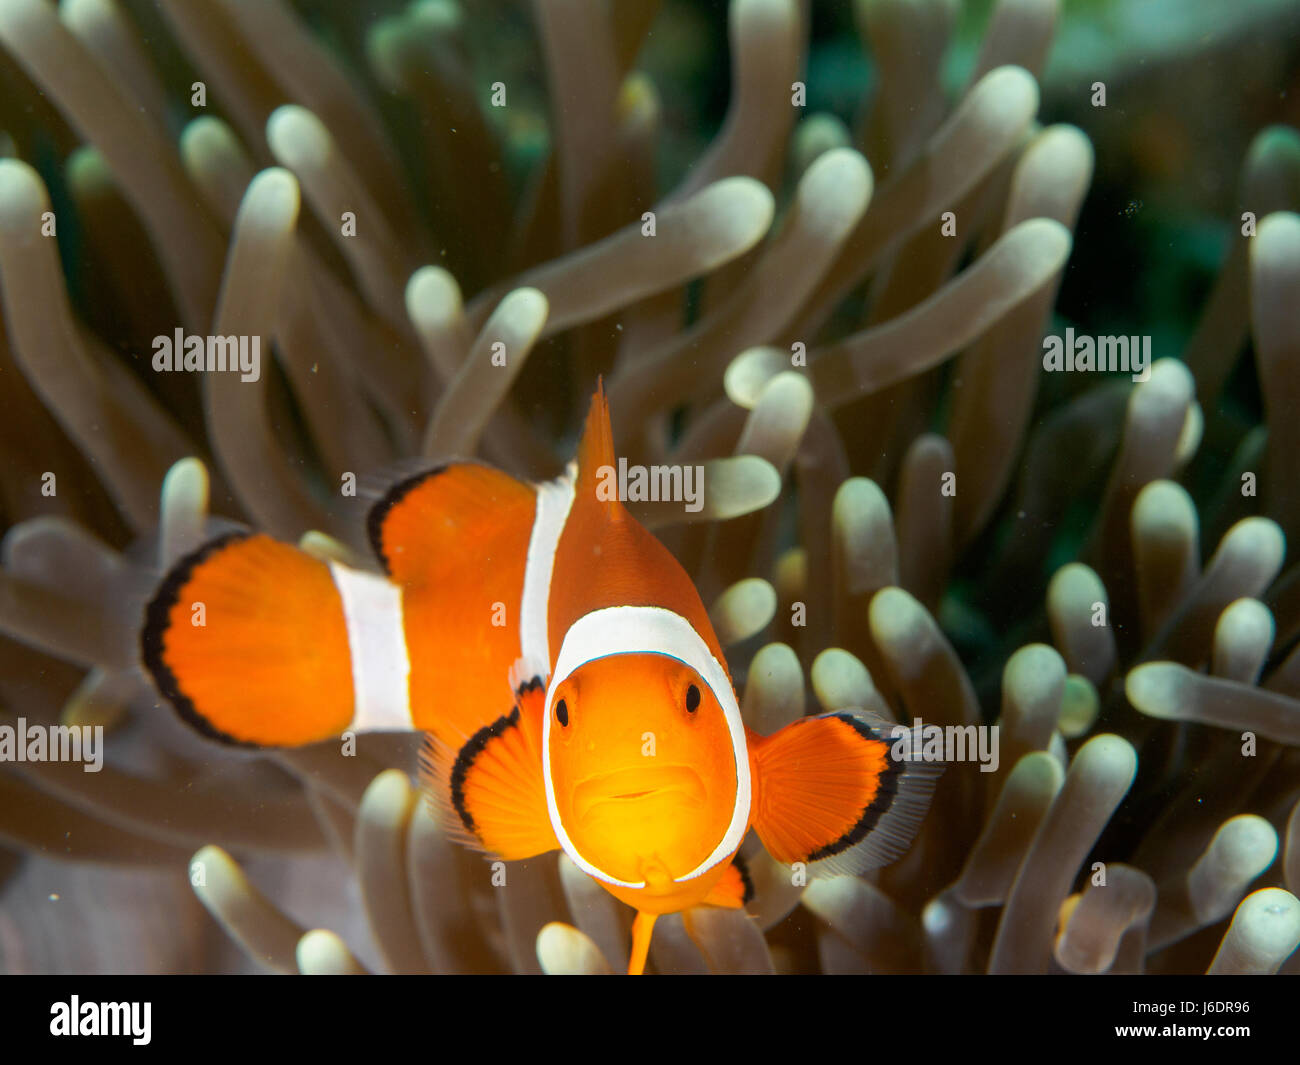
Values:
[(560, 659)]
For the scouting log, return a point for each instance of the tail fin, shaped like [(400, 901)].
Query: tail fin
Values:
[(247, 639), (833, 795)]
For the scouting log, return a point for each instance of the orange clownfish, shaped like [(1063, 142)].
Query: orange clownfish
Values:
[(622, 743)]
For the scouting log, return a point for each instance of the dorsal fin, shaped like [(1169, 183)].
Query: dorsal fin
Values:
[(605, 557), (455, 538), (596, 451)]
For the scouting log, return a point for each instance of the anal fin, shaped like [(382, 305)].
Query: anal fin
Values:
[(642, 928)]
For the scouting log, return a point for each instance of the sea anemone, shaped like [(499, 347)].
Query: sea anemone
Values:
[(842, 321)]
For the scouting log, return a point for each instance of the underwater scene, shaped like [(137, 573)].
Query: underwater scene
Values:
[(649, 486)]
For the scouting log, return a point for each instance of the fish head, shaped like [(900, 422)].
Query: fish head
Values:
[(642, 766)]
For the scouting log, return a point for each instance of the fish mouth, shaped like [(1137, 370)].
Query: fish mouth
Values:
[(629, 787)]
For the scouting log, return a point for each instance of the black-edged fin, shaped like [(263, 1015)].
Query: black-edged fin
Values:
[(456, 540), (386, 492), (735, 890), (423, 524), (527, 679), (838, 795), (246, 614), (490, 793), (891, 822)]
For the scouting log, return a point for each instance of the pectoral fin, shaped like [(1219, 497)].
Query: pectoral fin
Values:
[(832, 793), (734, 890), (491, 790)]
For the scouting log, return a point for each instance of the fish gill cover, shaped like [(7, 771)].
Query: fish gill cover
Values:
[(982, 321)]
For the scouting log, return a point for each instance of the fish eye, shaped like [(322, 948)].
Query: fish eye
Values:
[(692, 699), (562, 713)]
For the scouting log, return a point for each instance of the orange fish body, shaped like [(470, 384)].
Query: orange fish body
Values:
[(561, 660)]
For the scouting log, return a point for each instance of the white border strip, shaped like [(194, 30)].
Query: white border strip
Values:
[(554, 500), (654, 630), (381, 665)]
